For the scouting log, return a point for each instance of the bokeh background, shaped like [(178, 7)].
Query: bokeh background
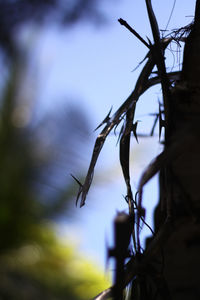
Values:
[(64, 64)]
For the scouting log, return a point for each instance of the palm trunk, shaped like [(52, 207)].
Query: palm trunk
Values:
[(180, 182)]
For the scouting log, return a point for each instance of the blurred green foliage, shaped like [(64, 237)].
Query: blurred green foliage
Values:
[(48, 269), (34, 263)]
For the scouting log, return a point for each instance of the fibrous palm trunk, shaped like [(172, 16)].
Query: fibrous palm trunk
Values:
[(180, 181)]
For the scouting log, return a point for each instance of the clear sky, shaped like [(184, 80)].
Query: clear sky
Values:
[(94, 67)]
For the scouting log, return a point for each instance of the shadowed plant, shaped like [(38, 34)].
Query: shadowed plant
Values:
[(177, 165)]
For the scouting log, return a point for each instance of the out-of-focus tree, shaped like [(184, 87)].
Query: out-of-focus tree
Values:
[(32, 158), (49, 269), (34, 263), (33, 154)]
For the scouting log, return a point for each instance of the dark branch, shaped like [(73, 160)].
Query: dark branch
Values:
[(124, 23)]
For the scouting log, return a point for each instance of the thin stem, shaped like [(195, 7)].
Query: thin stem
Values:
[(124, 23)]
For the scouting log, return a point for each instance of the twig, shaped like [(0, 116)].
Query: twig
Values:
[(124, 23)]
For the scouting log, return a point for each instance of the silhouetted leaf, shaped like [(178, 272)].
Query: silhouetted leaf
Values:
[(112, 122), (105, 121), (125, 153), (134, 129)]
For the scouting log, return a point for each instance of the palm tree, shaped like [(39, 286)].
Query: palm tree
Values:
[(168, 266)]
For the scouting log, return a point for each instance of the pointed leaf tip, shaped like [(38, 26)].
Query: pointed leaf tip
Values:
[(79, 183), (149, 41), (80, 189), (134, 129), (107, 118)]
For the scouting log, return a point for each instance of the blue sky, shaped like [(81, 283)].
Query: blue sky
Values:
[(94, 67)]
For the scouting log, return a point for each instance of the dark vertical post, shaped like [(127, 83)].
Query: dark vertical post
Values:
[(122, 234)]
